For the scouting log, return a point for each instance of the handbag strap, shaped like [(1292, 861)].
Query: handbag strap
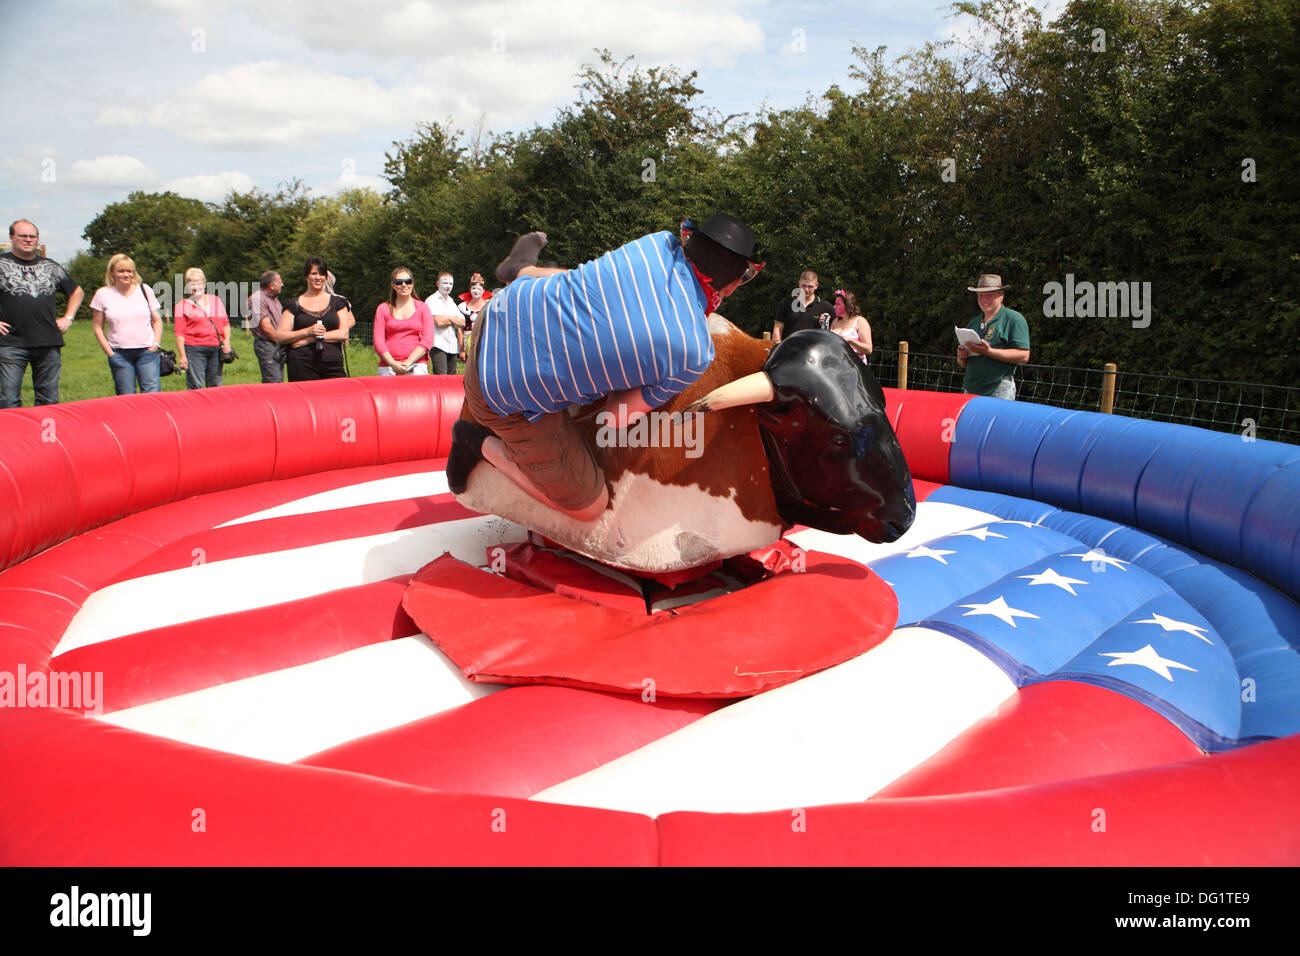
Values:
[(149, 312), (215, 330)]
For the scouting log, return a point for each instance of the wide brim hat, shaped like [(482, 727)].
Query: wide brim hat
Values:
[(730, 233), (987, 283)]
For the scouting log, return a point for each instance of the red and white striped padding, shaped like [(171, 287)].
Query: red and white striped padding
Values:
[(266, 700)]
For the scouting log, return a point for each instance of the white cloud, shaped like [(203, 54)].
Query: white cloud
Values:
[(211, 188), (357, 181), (189, 7), (110, 171), (509, 63), (26, 163), (967, 30), (272, 104), (118, 116), (677, 31), (1051, 9), (507, 91)]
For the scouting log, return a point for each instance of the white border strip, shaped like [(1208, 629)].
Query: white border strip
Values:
[(834, 737), (289, 714), (396, 488), (261, 580)]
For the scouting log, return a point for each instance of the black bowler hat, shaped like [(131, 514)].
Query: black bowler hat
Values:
[(730, 233)]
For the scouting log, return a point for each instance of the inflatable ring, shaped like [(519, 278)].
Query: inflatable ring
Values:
[(1098, 632)]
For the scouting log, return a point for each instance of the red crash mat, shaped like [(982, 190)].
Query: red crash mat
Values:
[(502, 631)]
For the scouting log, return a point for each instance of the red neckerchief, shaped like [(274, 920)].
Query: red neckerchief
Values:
[(712, 294)]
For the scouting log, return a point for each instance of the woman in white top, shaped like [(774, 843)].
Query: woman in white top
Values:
[(850, 325), (128, 327)]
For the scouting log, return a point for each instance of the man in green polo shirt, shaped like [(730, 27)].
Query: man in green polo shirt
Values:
[(991, 362)]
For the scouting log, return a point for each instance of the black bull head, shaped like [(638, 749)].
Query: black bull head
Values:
[(835, 461)]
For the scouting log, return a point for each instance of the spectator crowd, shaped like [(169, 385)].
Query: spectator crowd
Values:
[(303, 338)]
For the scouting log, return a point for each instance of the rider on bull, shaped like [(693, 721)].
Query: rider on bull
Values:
[(631, 324)]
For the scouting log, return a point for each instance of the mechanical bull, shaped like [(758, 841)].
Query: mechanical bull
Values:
[(794, 433)]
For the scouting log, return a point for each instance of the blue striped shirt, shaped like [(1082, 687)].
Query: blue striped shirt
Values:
[(635, 316)]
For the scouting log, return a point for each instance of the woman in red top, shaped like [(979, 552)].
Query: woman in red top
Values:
[(403, 328), (202, 332)]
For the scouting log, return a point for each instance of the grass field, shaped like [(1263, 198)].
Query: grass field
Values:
[(86, 375)]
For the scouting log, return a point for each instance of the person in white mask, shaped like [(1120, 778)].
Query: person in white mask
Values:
[(449, 324)]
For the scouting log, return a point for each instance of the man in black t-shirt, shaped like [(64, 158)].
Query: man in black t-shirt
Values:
[(29, 332), (802, 309)]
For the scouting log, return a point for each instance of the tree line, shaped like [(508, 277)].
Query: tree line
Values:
[(1148, 143)]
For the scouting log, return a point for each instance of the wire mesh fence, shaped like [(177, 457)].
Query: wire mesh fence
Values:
[(1253, 410), (363, 332), (1261, 411)]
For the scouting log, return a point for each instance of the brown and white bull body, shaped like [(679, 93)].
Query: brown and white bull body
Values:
[(671, 506), (795, 433)]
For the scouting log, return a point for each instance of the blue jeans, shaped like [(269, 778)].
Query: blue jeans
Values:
[(205, 366), (46, 364), (130, 366)]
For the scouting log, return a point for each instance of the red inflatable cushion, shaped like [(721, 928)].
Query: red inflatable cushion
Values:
[(501, 631)]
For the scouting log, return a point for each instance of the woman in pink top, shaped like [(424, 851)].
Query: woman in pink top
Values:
[(128, 327), (202, 332), (850, 325), (403, 329)]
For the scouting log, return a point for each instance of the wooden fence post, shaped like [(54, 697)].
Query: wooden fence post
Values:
[(1108, 389), (902, 365)]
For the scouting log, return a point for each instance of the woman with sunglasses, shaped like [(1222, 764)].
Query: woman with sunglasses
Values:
[(314, 326), (404, 328), (850, 325)]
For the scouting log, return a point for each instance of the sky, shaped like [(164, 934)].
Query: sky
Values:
[(110, 96)]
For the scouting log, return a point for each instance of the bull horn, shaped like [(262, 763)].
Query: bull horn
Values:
[(749, 390)]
